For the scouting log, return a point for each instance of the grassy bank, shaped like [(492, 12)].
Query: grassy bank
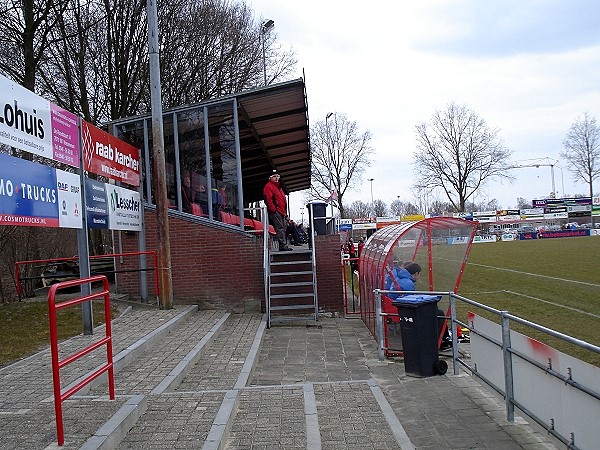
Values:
[(25, 328)]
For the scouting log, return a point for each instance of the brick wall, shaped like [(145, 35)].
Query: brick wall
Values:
[(329, 273), (213, 267), (219, 268)]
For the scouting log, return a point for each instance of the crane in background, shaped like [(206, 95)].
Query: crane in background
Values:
[(543, 162)]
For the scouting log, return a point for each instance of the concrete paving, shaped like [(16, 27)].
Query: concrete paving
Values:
[(189, 379)]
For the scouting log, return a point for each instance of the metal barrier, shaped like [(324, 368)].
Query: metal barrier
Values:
[(18, 265), (59, 396), (583, 393)]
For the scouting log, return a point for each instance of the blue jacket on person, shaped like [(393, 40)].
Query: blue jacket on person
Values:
[(403, 279)]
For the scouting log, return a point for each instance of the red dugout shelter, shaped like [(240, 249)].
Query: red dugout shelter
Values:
[(440, 245)]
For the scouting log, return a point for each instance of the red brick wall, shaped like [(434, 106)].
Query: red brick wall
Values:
[(213, 267), (219, 268), (329, 273)]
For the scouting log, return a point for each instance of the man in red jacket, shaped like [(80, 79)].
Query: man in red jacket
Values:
[(277, 208)]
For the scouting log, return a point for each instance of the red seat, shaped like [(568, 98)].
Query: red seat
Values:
[(225, 217), (197, 210), (234, 220)]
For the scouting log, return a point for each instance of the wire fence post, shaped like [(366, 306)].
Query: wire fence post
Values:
[(508, 374)]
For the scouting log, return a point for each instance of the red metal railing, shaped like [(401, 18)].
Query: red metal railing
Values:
[(59, 396), (18, 264)]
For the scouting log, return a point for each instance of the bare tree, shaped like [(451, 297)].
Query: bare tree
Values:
[(358, 209), (340, 154), (457, 152), (523, 203), (439, 208), (91, 57), (25, 36), (380, 208), (582, 150), (401, 208)]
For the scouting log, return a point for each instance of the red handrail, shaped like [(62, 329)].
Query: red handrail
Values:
[(60, 397), (76, 258)]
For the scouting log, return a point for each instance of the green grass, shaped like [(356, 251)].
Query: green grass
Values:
[(25, 329), (552, 282)]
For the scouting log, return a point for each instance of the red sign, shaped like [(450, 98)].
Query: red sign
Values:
[(104, 154)]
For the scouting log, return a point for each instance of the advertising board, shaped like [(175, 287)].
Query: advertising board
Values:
[(124, 208), (35, 195), (105, 155), (31, 123)]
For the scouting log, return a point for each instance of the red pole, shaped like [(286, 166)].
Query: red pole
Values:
[(60, 435), (18, 277), (155, 273), (109, 353)]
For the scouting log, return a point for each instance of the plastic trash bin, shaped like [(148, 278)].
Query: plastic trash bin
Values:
[(419, 331)]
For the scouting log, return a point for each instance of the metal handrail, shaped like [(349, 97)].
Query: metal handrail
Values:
[(59, 396), (510, 401), (18, 265)]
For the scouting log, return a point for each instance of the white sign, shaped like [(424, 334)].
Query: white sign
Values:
[(484, 238), (70, 214), (124, 208), (24, 119)]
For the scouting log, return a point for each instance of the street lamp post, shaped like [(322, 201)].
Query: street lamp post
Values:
[(302, 213), (372, 201), (329, 114), (265, 28)]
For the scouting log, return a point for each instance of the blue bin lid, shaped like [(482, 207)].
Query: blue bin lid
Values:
[(416, 299)]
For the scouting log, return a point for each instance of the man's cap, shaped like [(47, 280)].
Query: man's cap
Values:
[(273, 174)]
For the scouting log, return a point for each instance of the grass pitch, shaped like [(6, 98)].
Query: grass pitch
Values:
[(552, 282)]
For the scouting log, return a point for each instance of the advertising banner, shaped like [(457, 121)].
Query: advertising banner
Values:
[(579, 210), (385, 221), (31, 194), (31, 123), (564, 233), (124, 208), (412, 217), (463, 215), (345, 224), (364, 223), (484, 216), (69, 200), (485, 238), (96, 204), (65, 136), (104, 154)]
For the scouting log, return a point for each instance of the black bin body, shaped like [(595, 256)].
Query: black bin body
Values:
[(419, 331), (320, 210)]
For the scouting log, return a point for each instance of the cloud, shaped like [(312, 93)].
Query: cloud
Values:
[(529, 68), (502, 28)]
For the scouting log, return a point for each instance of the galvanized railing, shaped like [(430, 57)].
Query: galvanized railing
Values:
[(510, 357)]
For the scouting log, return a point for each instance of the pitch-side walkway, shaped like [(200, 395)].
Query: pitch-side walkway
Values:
[(189, 379)]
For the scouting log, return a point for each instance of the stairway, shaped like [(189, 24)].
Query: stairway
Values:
[(292, 286)]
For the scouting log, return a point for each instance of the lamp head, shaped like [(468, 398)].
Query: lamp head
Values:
[(267, 25)]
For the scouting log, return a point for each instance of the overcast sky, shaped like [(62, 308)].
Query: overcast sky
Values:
[(529, 68)]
